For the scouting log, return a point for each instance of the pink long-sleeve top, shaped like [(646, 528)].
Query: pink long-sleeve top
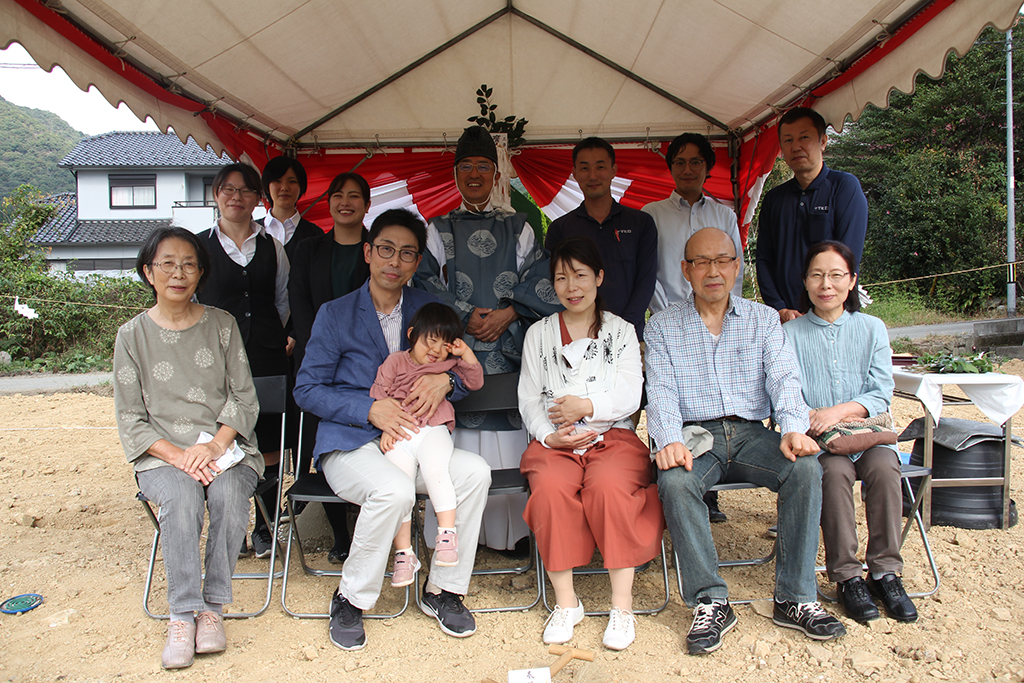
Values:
[(398, 373)]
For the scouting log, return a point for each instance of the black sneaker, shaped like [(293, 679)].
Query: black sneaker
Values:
[(855, 600), (337, 555), (346, 627), (808, 617), (711, 621), (451, 614), (715, 515), (889, 589), (261, 541)]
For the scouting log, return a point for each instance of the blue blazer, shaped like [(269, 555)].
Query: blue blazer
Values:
[(345, 349)]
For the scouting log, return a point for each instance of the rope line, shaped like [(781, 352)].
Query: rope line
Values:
[(73, 303), (929, 277)]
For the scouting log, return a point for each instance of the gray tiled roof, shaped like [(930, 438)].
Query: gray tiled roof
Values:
[(65, 228), (140, 149), (63, 223)]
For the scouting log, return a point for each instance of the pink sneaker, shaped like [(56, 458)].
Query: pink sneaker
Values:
[(446, 549), (404, 573)]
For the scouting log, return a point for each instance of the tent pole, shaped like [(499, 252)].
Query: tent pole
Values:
[(1011, 238)]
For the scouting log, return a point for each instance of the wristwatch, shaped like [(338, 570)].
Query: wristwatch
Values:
[(451, 383)]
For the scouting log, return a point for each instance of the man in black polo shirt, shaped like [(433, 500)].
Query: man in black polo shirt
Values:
[(627, 238), (818, 204)]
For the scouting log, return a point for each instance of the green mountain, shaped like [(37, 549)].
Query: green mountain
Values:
[(32, 143)]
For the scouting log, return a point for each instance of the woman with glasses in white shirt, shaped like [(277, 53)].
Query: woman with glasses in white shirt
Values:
[(249, 279)]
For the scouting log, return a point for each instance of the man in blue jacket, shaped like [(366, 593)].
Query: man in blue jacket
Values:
[(818, 204), (351, 337)]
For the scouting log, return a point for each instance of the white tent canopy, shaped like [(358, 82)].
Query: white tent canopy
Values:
[(404, 72)]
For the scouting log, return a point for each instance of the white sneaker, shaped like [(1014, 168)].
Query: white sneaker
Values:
[(621, 631), (558, 627)]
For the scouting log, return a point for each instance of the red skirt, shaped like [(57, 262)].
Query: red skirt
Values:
[(603, 498)]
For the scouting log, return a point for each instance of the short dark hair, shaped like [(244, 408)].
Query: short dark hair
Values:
[(582, 250), (275, 170), (435, 319), (797, 113), (704, 148), (593, 143), (339, 182), (852, 304), (152, 244), (249, 176), (403, 218)]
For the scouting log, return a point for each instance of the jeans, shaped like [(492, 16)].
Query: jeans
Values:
[(386, 495), (182, 502), (748, 452)]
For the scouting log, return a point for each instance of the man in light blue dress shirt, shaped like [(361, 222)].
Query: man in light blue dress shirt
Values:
[(717, 367)]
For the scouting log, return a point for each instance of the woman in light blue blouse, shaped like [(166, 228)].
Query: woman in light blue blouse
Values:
[(846, 372)]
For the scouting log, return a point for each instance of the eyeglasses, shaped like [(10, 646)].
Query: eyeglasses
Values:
[(386, 251), (702, 263), (696, 163), (482, 168), (169, 267), (230, 191), (833, 275)]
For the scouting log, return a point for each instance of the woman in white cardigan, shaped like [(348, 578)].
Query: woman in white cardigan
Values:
[(589, 474)]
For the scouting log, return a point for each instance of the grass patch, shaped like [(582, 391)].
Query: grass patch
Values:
[(904, 309)]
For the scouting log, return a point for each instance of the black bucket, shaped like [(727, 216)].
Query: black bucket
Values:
[(965, 507)]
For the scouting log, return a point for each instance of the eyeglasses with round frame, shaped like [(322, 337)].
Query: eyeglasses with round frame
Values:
[(702, 263), (168, 267), (695, 163), (834, 276), (386, 251), (483, 167), (230, 191)]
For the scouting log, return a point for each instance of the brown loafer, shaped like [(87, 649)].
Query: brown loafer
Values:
[(210, 635), (181, 645)]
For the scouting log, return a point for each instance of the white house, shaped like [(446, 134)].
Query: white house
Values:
[(128, 184)]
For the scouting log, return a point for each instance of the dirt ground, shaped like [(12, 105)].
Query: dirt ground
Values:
[(71, 529)]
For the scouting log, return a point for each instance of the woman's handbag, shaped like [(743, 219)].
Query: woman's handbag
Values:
[(847, 438)]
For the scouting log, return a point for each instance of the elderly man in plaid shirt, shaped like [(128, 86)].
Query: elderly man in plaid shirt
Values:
[(717, 367)]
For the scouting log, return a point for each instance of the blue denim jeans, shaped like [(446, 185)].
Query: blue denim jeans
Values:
[(744, 451), (183, 502)]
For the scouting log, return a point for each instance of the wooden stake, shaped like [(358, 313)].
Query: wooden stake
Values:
[(567, 655)]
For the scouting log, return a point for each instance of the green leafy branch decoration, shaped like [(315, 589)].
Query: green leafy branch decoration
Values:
[(487, 118)]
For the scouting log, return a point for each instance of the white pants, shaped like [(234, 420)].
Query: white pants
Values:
[(503, 523), (431, 449), (386, 495)]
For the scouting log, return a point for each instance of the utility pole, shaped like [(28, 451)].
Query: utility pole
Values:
[(1011, 233)]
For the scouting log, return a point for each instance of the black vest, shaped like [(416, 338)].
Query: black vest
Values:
[(246, 292)]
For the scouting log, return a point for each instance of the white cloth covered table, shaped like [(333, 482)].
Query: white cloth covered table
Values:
[(996, 395)]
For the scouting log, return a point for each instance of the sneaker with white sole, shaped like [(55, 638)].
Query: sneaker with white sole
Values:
[(621, 631), (446, 549), (808, 617), (558, 627), (711, 621), (404, 572)]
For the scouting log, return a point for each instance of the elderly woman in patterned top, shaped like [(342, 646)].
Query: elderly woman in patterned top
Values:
[(186, 407), (484, 262)]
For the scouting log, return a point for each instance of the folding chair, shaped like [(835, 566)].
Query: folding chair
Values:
[(500, 393), (273, 396), (735, 486), (908, 472), (313, 488)]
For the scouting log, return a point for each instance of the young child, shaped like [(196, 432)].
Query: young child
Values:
[(436, 331)]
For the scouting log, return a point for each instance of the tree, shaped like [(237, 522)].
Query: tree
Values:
[(933, 167)]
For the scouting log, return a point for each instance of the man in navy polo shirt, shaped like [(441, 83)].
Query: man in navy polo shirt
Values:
[(818, 204), (627, 238)]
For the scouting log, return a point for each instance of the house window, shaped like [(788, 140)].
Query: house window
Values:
[(133, 191), (208, 199)]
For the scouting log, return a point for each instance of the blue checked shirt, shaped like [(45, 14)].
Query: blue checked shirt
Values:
[(751, 372)]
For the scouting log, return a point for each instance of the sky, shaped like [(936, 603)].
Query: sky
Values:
[(24, 83)]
